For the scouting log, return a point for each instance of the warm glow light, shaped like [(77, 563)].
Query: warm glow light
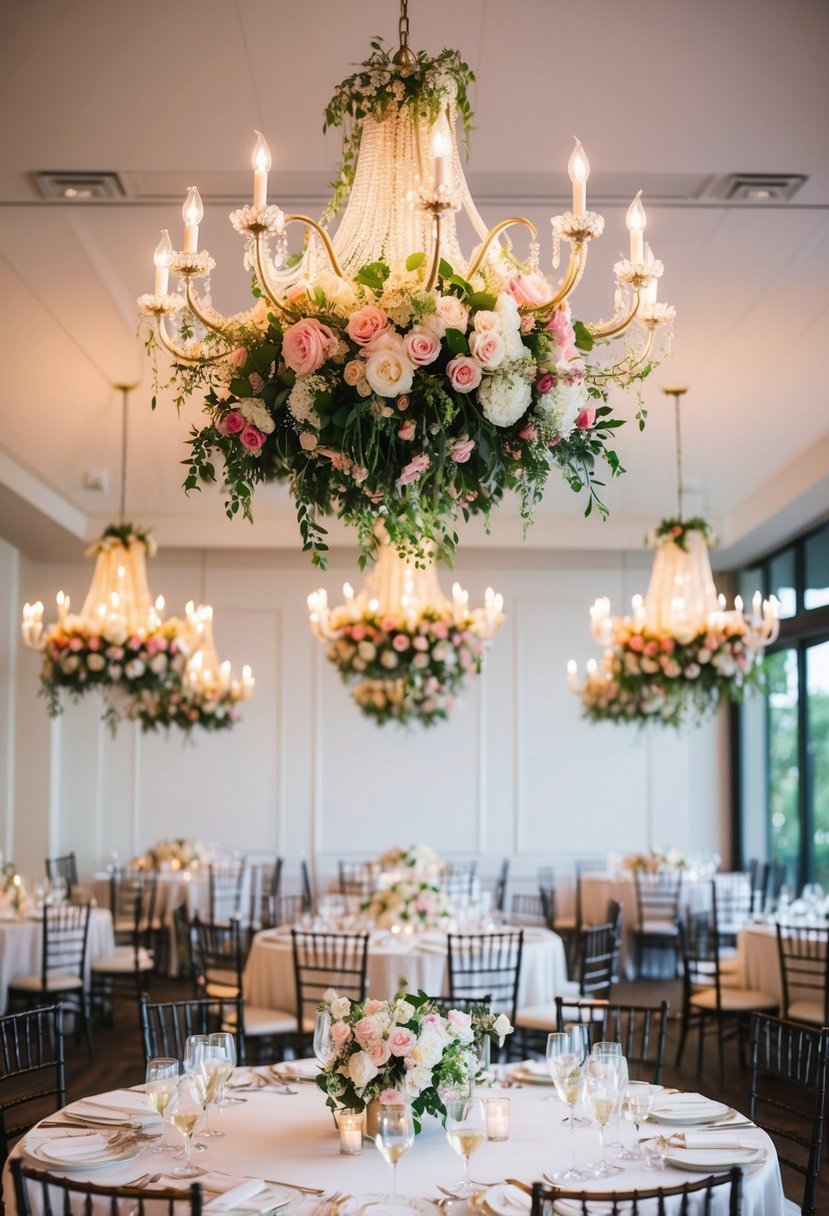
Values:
[(578, 166), (193, 210), (163, 251), (636, 219), (261, 156)]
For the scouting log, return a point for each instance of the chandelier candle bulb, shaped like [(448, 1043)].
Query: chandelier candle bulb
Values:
[(161, 259), (442, 155), (261, 161), (578, 167), (63, 606), (572, 674), (192, 213), (636, 221)]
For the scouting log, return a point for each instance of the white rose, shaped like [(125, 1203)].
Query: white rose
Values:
[(367, 651), (135, 669), (69, 663), (485, 320), (337, 290), (417, 1079), (389, 660), (453, 314), (429, 1048), (362, 1069), (502, 1027), (116, 671), (389, 373), (434, 323), (158, 664), (341, 1007), (403, 1012), (504, 399), (95, 662)]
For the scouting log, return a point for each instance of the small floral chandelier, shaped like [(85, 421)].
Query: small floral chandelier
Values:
[(680, 652), (382, 371), (159, 672), (404, 651)]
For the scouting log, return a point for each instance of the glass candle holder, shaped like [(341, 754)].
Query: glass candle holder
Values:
[(350, 1124), (497, 1118)]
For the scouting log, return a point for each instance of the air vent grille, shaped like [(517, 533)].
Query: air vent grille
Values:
[(758, 187), (75, 187)]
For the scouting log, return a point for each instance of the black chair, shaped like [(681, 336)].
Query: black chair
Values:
[(323, 961), (219, 961), (733, 898), (657, 914), (706, 999), (290, 909), (65, 867), (758, 873), (499, 895), (641, 1029), (166, 1025), (655, 1202), (458, 881), (32, 1075), (309, 902), (788, 1095), (804, 969), (565, 926), (225, 884), (62, 963), (357, 879), (528, 909), (38, 1192), (486, 965), (265, 887), (128, 970)]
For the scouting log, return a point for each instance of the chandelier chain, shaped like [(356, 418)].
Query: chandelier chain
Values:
[(125, 390), (404, 23), (678, 430)]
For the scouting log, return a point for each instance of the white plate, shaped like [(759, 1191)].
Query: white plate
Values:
[(384, 1205), (298, 1070), (121, 1148), (682, 1115), (272, 1199), (241, 1077), (703, 1160), (505, 1200)]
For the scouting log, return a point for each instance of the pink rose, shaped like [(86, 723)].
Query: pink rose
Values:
[(373, 1006), (400, 642), (464, 373), (402, 1042), (668, 645), (461, 450), (407, 430), (440, 630), (306, 345), (651, 648), (411, 471), (403, 402), (94, 643), (488, 348), (367, 1030), (239, 356), (251, 438), (235, 422), (452, 313), (366, 323), (340, 1033), (586, 418), (256, 382), (561, 326), (460, 1020), (544, 383), (392, 1097), (379, 1051), (529, 433), (358, 633), (421, 346), (530, 289)]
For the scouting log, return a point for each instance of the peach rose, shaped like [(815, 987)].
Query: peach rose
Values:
[(452, 313), (530, 289), (306, 345), (407, 430), (401, 1042), (379, 1051), (367, 1030), (366, 323), (488, 348), (389, 373), (464, 373), (340, 1033), (421, 346)]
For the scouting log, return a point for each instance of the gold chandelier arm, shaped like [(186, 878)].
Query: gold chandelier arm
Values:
[(617, 327), (323, 236), (647, 348), (433, 269), (180, 354), (196, 309), (575, 269), (262, 276), (475, 264)]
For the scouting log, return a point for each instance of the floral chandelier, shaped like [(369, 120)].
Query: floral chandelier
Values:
[(404, 651), (382, 371), (159, 672), (680, 652)]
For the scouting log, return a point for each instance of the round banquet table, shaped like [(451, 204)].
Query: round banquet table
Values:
[(291, 1139), (758, 958), (21, 941), (419, 961)]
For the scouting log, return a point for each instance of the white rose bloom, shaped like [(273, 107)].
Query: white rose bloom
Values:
[(429, 1048), (485, 320), (417, 1079), (389, 660), (362, 1069), (116, 671), (338, 291), (135, 669), (340, 1007), (509, 327), (115, 634), (453, 314), (504, 399), (403, 1012), (502, 1027), (95, 662), (389, 373), (367, 651), (434, 324), (158, 664), (704, 655), (563, 404)]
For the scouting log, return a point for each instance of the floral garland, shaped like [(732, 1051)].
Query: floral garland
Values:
[(677, 530), (123, 535), (407, 1049), (409, 901), (405, 671)]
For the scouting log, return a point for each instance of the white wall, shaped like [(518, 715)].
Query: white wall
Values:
[(516, 772)]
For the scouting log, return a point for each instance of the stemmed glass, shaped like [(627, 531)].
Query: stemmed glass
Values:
[(565, 1060), (322, 1036), (612, 1052), (466, 1132), (208, 1077), (395, 1136), (161, 1081), (184, 1109), (638, 1099), (223, 1044), (601, 1097)]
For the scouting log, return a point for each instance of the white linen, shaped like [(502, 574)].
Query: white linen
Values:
[(758, 959), (284, 1139), (21, 948), (269, 973)]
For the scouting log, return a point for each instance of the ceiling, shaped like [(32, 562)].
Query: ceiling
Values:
[(665, 95)]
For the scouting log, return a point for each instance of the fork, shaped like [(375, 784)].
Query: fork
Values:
[(139, 1184), (328, 1203)]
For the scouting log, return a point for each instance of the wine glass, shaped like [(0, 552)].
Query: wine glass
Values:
[(208, 1077), (601, 1097), (466, 1132), (580, 1039), (395, 1136), (184, 1110), (322, 1036), (223, 1043), (612, 1052), (566, 1067), (637, 1103), (161, 1080)]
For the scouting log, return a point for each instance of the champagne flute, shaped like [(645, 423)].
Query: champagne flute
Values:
[(466, 1132), (322, 1036), (184, 1110), (612, 1053), (161, 1081), (223, 1044), (566, 1069), (638, 1100), (395, 1136), (207, 1078), (601, 1097)]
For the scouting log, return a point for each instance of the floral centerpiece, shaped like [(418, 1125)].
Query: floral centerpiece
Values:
[(408, 901), (12, 889), (403, 384), (405, 1050), (177, 853), (414, 858), (406, 670), (654, 861)]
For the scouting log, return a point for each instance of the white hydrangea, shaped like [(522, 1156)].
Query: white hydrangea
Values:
[(561, 407), (254, 410), (509, 327), (504, 399), (301, 399)]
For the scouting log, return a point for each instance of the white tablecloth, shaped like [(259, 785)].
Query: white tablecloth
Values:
[(758, 958), (419, 961), (293, 1139), (21, 947)]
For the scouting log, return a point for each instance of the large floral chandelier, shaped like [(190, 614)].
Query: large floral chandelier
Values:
[(402, 648), (382, 370), (681, 651), (157, 671)]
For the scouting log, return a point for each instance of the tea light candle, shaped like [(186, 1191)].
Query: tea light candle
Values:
[(351, 1132), (497, 1118)]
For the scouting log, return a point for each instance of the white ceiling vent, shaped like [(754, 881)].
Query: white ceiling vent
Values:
[(74, 187), (758, 187)]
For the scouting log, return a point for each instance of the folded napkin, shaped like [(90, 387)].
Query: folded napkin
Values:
[(685, 1105), (249, 1195), (536, 1068), (305, 1070), (697, 1140), (74, 1148), (115, 1107), (512, 1197)]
